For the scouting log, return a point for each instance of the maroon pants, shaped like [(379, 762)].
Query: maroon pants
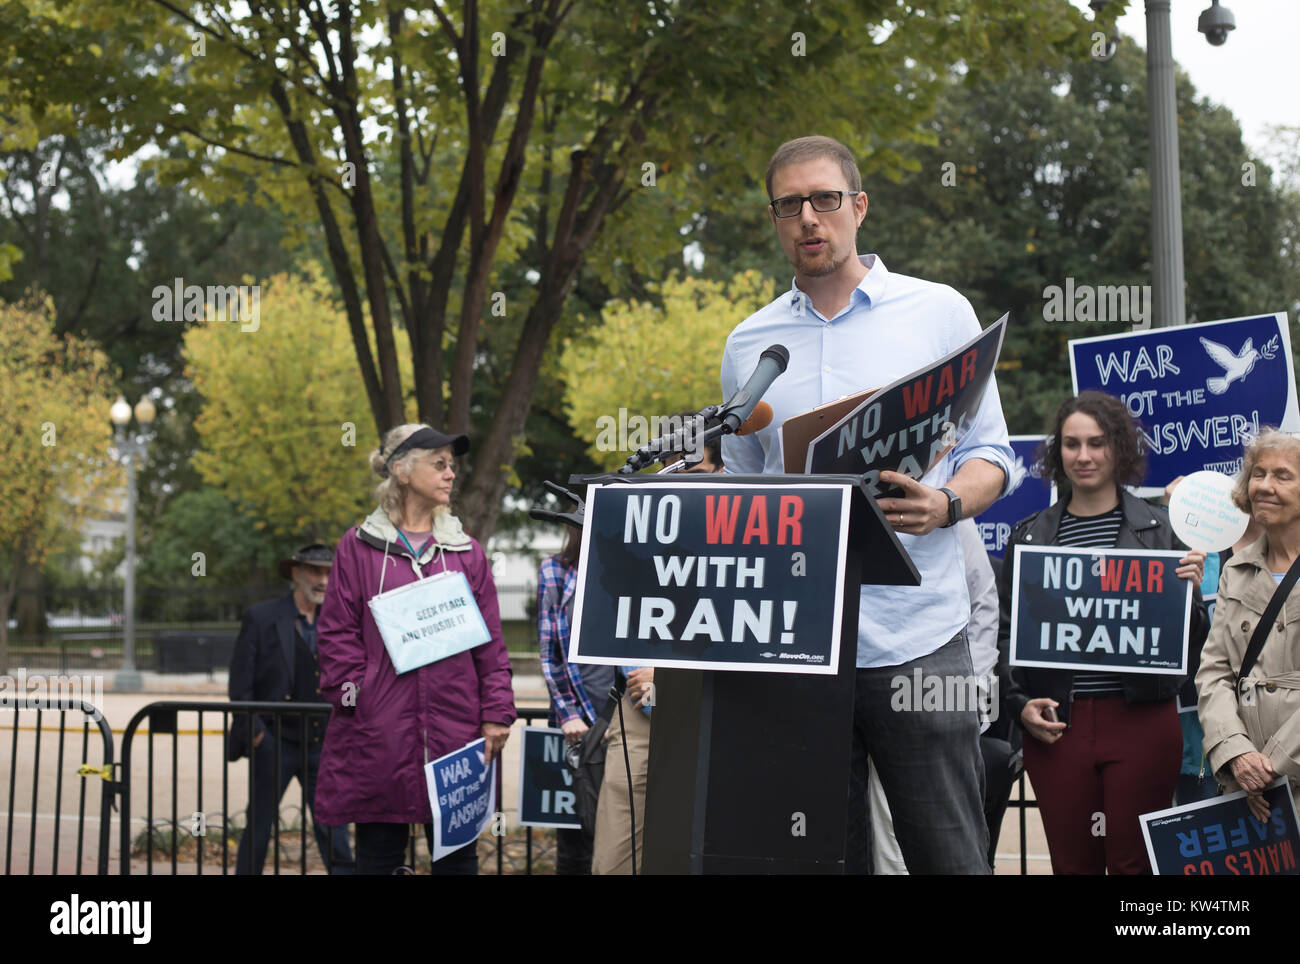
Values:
[(1117, 760)]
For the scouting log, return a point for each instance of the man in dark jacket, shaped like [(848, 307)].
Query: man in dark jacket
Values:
[(275, 660)]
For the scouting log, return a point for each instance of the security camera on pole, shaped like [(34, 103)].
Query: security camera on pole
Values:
[(1169, 307)]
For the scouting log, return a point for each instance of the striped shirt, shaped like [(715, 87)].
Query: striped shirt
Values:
[(1093, 532)]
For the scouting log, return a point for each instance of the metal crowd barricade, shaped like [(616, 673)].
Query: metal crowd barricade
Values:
[(103, 768), (1023, 804), (162, 719)]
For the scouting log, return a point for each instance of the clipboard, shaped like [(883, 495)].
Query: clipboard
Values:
[(798, 431)]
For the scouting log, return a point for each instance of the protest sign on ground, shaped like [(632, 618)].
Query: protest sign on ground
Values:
[(546, 797)]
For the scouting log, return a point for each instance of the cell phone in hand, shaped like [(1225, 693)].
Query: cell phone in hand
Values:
[(1049, 714)]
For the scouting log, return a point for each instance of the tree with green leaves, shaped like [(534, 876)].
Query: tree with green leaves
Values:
[(279, 401), (649, 360), (444, 154), (1031, 178), (1041, 176), (55, 447)]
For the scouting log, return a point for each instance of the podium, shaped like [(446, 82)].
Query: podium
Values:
[(749, 764)]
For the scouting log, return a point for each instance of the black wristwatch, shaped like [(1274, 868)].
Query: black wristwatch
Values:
[(954, 507)]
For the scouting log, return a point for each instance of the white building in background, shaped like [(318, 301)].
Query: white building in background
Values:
[(100, 534), (515, 557)]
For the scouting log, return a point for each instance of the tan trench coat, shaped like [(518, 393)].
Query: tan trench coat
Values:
[(1265, 716)]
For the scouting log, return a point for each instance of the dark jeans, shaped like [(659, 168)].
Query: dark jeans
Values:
[(381, 849), (573, 852), (267, 792), (930, 767)]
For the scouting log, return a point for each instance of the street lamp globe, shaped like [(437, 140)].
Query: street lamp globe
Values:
[(120, 413), (144, 411)]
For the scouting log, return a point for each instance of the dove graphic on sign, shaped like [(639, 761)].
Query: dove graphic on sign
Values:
[(1235, 366)]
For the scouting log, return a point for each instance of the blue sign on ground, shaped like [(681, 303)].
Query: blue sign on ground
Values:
[(1220, 837), (1109, 610), (1199, 390), (1030, 493)]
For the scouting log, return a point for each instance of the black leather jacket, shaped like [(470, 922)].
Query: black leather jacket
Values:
[(1145, 526)]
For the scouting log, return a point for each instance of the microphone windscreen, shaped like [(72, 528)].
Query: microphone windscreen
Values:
[(758, 420)]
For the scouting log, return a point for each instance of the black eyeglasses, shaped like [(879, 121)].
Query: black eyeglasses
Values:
[(823, 202)]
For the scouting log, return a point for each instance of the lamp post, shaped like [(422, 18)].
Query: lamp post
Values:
[(1169, 306), (130, 450)]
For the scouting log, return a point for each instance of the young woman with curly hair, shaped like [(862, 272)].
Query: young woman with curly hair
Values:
[(1100, 748)]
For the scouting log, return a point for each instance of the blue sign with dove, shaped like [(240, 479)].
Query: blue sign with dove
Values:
[(1200, 391)]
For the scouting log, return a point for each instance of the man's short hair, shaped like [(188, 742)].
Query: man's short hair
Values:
[(814, 148)]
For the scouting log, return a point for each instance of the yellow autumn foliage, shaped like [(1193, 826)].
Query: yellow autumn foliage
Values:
[(55, 392), (653, 361), (285, 425)]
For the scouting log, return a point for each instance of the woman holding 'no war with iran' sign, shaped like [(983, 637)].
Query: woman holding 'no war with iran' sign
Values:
[(1250, 708), (1101, 748), (386, 725)]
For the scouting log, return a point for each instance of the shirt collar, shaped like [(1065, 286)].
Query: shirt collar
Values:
[(870, 289)]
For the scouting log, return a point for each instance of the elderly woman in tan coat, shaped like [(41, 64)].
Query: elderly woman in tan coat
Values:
[(1252, 726)]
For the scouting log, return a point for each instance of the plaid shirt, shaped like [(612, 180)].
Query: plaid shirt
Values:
[(556, 584)]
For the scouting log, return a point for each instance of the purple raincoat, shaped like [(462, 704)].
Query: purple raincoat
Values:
[(371, 766)]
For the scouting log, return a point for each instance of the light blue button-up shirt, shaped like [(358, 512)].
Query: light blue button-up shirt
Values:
[(892, 326)]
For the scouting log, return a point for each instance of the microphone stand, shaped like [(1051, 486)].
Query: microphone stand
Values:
[(574, 518), (666, 446)]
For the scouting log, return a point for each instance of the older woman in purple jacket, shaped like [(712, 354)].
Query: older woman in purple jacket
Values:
[(386, 726)]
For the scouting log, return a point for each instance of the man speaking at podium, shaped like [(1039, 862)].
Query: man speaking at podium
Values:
[(850, 324)]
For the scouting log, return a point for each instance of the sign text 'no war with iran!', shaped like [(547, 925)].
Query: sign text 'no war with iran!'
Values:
[(719, 576), (1110, 610)]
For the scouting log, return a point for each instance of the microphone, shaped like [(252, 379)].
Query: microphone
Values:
[(741, 405), (760, 420)]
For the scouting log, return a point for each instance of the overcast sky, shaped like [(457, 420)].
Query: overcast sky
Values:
[(1254, 74)]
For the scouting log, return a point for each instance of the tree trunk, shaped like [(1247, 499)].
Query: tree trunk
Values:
[(5, 597), (30, 611)]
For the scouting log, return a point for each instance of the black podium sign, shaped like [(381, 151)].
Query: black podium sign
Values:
[(720, 577)]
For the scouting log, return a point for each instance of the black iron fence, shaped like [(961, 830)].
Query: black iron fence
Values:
[(170, 837), (92, 764)]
